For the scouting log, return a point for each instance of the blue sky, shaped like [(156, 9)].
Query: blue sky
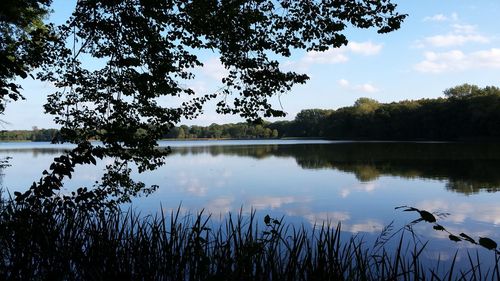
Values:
[(441, 44)]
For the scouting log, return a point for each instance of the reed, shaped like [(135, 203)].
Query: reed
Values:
[(113, 245)]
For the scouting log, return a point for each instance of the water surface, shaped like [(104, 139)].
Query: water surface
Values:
[(310, 182)]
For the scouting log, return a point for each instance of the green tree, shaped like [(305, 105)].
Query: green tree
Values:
[(308, 122), (366, 105), (181, 133), (186, 130), (461, 91), (196, 131), (491, 90), (237, 131), (215, 131), (274, 134), (144, 50)]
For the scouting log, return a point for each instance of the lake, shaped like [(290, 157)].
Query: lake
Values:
[(314, 181)]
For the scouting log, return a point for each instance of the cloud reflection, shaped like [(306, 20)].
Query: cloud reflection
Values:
[(192, 185), (327, 217), (459, 212), (361, 187), (270, 202), (221, 205), (334, 217), (369, 226)]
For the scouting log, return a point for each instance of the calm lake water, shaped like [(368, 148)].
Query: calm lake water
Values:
[(311, 182)]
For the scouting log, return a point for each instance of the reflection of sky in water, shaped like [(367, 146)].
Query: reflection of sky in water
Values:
[(276, 184)]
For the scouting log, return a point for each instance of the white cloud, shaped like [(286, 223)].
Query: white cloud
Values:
[(198, 87), (442, 18), (455, 39), (437, 17), (340, 55), (214, 69), (364, 48), (487, 58), (460, 34), (344, 83), (464, 28), (364, 88), (457, 60), (330, 56)]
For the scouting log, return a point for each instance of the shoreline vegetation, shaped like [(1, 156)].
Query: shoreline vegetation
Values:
[(464, 140), (467, 113), (116, 245)]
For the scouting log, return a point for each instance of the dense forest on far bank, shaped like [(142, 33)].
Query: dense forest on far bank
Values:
[(29, 135), (466, 112)]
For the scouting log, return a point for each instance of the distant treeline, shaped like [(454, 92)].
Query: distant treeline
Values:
[(466, 112), (224, 131), (214, 131), (29, 135)]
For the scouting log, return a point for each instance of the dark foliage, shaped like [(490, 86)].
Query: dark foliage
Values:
[(33, 135), (23, 37), (473, 115), (224, 131)]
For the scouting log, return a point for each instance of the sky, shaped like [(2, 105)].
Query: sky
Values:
[(441, 44)]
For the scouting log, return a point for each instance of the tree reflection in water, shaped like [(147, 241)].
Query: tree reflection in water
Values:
[(467, 167)]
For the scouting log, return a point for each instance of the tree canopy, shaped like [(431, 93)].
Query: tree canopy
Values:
[(23, 36), (468, 90), (113, 60), (461, 91), (366, 105), (474, 115)]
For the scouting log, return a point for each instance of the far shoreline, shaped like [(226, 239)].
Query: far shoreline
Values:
[(463, 139)]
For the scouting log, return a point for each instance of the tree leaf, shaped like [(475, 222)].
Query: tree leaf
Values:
[(454, 238), (267, 219), (487, 243), (439, 227), (467, 237), (426, 216)]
